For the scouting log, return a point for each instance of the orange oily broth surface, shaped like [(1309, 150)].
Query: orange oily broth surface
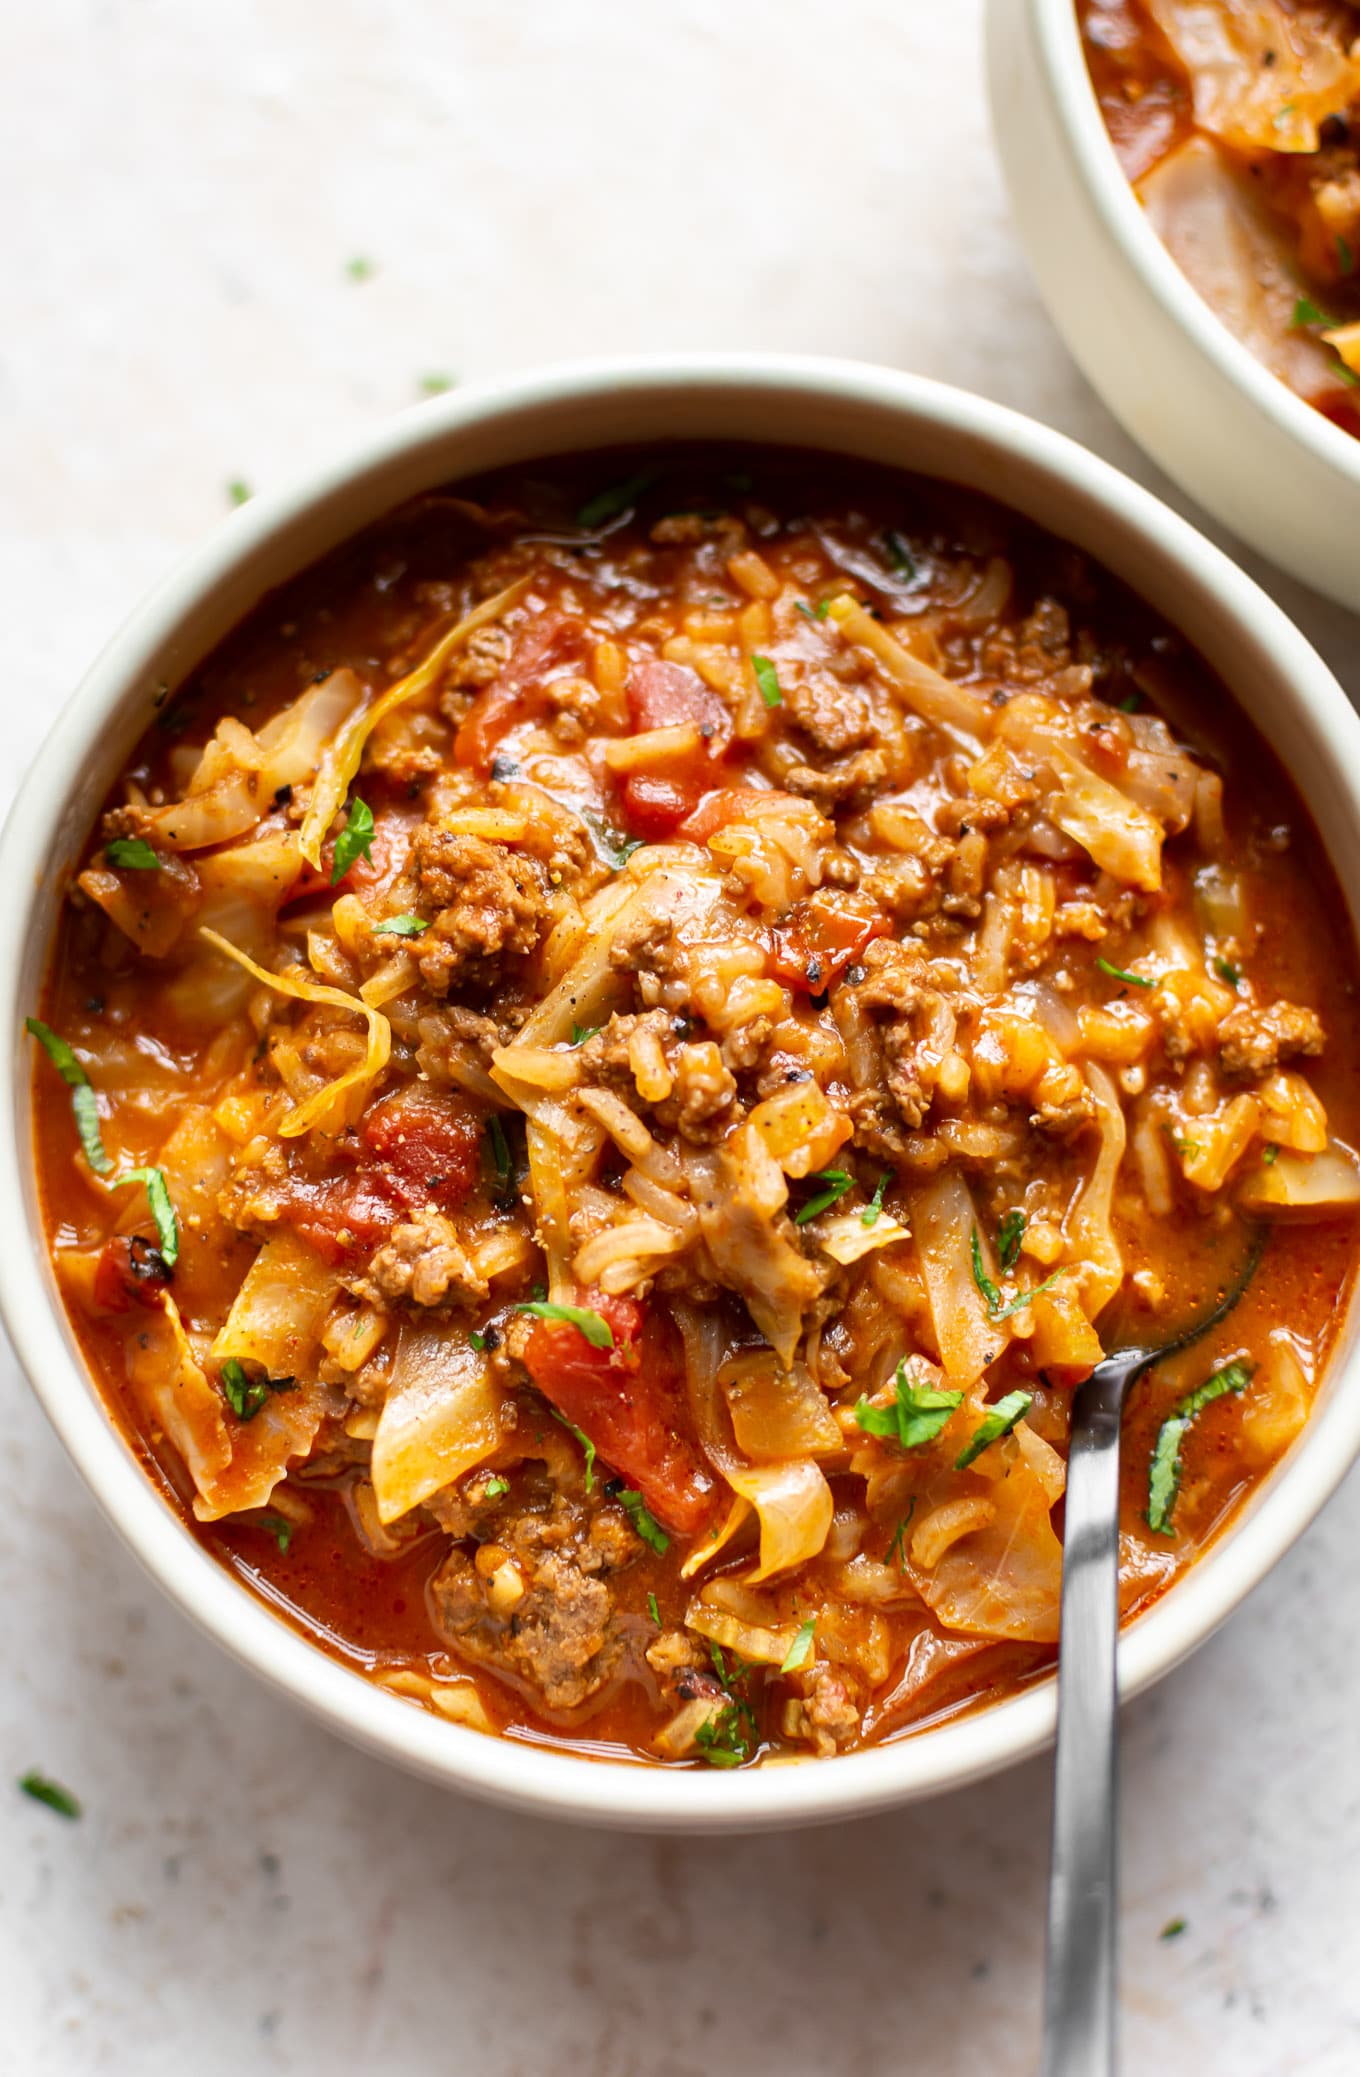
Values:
[(376, 607)]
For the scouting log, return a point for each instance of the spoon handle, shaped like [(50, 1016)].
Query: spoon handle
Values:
[(1080, 1980)]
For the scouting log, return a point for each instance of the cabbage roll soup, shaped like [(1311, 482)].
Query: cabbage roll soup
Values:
[(1238, 123), (621, 1047)]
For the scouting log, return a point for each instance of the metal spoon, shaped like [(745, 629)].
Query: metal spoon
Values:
[(1081, 1977)]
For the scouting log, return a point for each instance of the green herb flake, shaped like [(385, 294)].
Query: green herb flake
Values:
[(998, 1421), (614, 849), (1306, 313), (500, 1151), (1345, 258), (1280, 119), (1025, 1298), (653, 1610), (132, 854), (495, 1487), (617, 499), (51, 1793), (239, 491), (245, 1396), (581, 1032), (403, 926), (916, 1417), (1173, 1928), (800, 1651), (1131, 704), (1270, 1155), (811, 612), (437, 385), (84, 1102), (162, 1210), (1009, 1235), (903, 561), (643, 1520), (1226, 971), (360, 268), (835, 1182), (897, 1548), (597, 1331), (586, 1444), (280, 1529), (478, 1340), (991, 1295), (355, 840), (720, 1740), (873, 1210), (767, 681), (1164, 1471), (1121, 973)]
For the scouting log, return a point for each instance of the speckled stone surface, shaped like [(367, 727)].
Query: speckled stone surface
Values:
[(184, 186)]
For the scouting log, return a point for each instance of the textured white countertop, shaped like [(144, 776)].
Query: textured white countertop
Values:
[(185, 185)]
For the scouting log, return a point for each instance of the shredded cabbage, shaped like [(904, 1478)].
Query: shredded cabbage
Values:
[(344, 754), (340, 1100), (441, 1416)]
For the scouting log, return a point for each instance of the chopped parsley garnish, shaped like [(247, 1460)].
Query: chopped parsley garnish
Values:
[(897, 1548), (581, 1032), (767, 681), (1173, 1928), (720, 1739), (276, 1526), (597, 1332), (162, 1210), (654, 1610), (1345, 258), (494, 1487), (49, 1792), (478, 1340), (1270, 1154), (239, 491), (810, 612), (132, 854), (1121, 973), (586, 1444), (873, 1210), (903, 561), (359, 268), (617, 499), (1306, 312), (500, 1151), (245, 1396), (995, 1309), (1164, 1472), (1131, 704), (404, 926), (84, 1102), (980, 1277), (835, 1182), (917, 1414), (1009, 1235), (800, 1651), (997, 1422), (1226, 971), (643, 1520), (436, 385), (1186, 1148), (614, 849), (355, 840)]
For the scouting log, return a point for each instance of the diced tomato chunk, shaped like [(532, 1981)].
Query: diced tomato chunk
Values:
[(630, 1401), (129, 1268), (823, 936), (419, 1147), (518, 693), (667, 695), (729, 804)]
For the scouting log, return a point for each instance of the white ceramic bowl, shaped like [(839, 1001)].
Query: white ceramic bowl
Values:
[(839, 406), (1270, 467)]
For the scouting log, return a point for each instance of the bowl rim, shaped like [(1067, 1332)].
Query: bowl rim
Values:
[(517, 1771), (1059, 46)]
